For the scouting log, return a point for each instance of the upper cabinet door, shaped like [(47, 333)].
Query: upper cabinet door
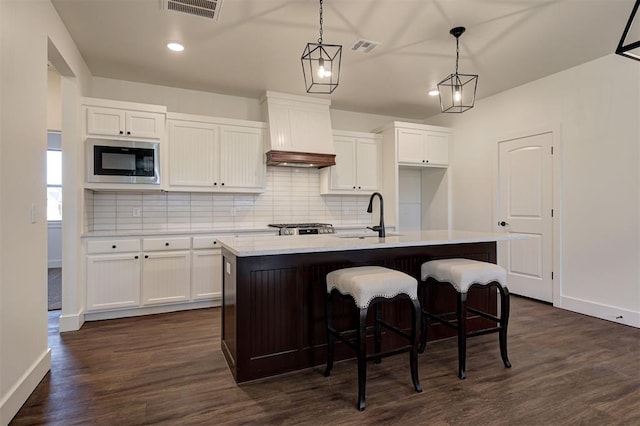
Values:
[(192, 149), (125, 123), (241, 157), (141, 124), (411, 146), (105, 121), (437, 149), (343, 174), (368, 164)]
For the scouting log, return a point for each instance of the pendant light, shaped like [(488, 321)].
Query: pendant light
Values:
[(321, 65), (624, 48), (458, 91)]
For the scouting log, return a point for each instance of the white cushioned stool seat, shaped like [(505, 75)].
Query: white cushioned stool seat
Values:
[(461, 273), (365, 283)]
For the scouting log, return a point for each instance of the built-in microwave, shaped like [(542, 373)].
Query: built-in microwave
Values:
[(116, 161)]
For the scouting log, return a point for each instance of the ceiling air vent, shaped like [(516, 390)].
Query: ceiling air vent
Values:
[(209, 9), (364, 46)]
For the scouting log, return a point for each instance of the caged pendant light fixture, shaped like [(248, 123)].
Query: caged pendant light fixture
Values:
[(321, 65), (631, 49), (458, 91)]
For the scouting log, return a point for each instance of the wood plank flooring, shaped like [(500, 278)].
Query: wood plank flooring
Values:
[(168, 369)]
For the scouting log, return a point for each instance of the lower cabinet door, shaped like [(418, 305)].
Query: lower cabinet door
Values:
[(206, 281), (113, 281), (166, 277)]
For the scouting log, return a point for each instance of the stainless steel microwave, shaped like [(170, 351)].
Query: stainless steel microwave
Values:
[(116, 161)]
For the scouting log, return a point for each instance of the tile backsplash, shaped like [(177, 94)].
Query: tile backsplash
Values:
[(292, 195)]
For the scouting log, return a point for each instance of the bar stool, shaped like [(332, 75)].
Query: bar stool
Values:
[(369, 286), (463, 274)]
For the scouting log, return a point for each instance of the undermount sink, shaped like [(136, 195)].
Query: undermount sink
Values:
[(364, 236)]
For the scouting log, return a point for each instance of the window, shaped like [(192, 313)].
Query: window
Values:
[(54, 185)]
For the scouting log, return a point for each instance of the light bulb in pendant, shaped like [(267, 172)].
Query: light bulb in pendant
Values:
[(322, 72), (457, 94)]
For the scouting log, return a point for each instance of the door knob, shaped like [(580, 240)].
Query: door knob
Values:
[(503, 223)]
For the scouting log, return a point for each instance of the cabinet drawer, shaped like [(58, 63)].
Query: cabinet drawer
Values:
[(179, 243), (205, 243), (113, 246)]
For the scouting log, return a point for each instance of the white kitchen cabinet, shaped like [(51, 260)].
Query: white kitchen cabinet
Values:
[(422, 147), (113, 274), (357, 168), (119, 122), (166, 270), (206, 269), (208, 156)]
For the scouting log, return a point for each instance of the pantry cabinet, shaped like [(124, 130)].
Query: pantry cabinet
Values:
[(213, 155), (357, 169)]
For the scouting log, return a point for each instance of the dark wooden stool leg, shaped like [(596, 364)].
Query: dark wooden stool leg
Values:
[(377, 332), (462, 335), (362, 357), (423, 318), (331, 338), (504, 322), (413, 355)]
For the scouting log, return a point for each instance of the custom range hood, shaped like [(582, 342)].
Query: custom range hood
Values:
[(300, 132)]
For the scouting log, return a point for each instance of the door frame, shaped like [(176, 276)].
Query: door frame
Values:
[(556, 188)]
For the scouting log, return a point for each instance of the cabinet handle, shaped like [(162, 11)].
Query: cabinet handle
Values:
[(426, 161), (121, 132), (215, 183), (166, 244), (146, 256), (215, 242), (503, 223), (359, 187), (113, 246), (354, 187), (128, 133), (135, 257), (222, 184), (423, 161)]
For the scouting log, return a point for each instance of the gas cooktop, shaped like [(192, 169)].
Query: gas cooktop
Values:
[(303, 228)]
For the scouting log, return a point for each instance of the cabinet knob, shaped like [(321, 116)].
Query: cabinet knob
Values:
[(121, 132), (222, 184), (166, 244), (426, 161), (146, 256), (354, 187), (215, 242), (359, 187), (113, 246), (128, 133), (215, 183), (503, 223), (135, 257)]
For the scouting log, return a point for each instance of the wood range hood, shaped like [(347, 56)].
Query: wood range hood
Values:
[(300, 133)]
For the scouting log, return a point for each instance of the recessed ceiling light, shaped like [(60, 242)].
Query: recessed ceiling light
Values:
[(176, 47), (434, 92)]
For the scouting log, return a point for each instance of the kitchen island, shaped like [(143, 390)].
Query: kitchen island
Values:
[(273, 318)]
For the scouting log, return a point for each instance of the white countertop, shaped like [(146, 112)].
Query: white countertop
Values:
[(243, 246)]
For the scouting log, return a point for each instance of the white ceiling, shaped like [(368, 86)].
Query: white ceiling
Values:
[(256, 44)]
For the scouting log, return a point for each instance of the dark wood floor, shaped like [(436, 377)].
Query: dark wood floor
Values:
[(168, 369)]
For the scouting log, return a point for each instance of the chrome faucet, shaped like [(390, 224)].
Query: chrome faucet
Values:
[(380, 227)]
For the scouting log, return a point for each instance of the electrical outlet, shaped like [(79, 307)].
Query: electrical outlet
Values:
[(137, 211)]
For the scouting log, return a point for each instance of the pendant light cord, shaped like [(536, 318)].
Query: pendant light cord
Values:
[(457, 53), (320, 39)]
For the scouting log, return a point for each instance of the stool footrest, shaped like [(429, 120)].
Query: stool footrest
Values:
[(441, 320), (395, 351), (484, 314), (484, 331), (395, 329)]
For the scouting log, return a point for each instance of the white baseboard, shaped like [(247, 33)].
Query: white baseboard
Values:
[(19, 393), (609, 313), (54, 263), (71, 322), (95, 316)]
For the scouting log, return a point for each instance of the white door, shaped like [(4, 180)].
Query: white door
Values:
[(368, 165), (343, 174), (241, 158), (192, 150), (525, 207)]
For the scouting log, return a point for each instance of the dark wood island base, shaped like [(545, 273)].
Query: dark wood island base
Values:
[(273, 318)]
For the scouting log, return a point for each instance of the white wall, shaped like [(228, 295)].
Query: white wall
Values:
[(25, 27), (597, 107)]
